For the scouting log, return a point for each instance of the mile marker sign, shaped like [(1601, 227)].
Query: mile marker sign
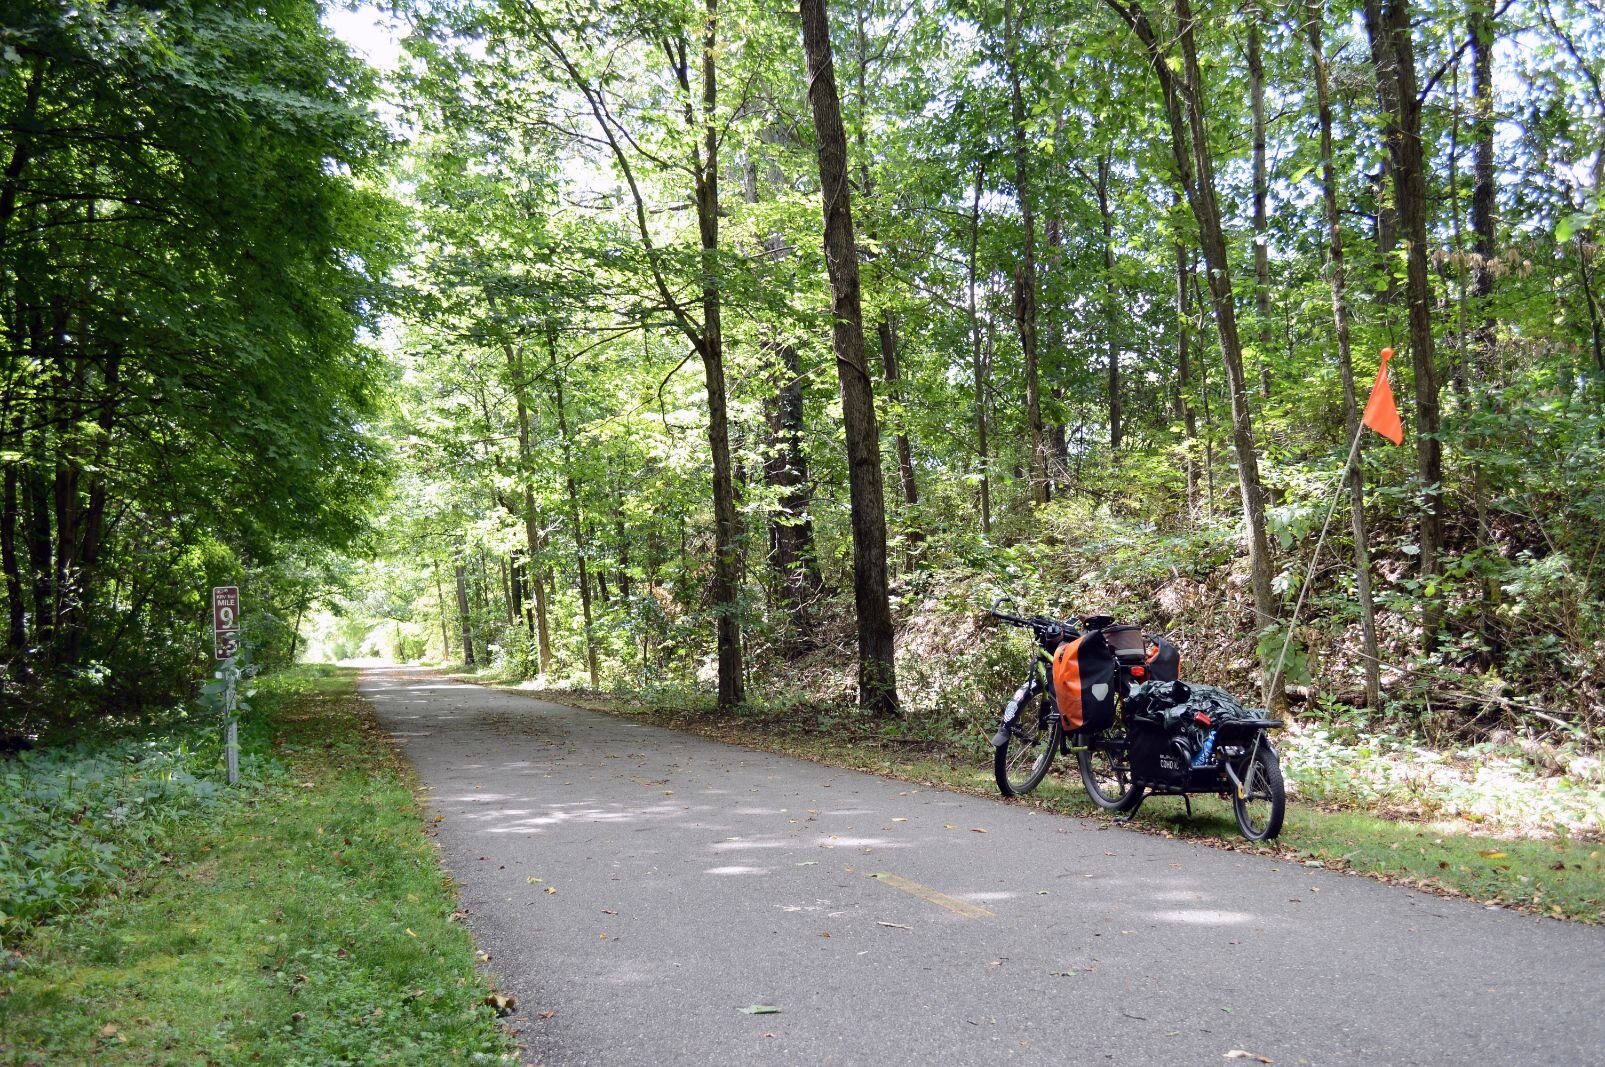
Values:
[(225, 621)]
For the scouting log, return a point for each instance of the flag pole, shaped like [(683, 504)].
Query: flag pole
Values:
[(1348, 465)]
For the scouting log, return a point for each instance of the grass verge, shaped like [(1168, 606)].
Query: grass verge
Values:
[(1558, 877), (307, 923)]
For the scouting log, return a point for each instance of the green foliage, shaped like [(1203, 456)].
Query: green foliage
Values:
[(76, 821), (190, 248), (260, 935)]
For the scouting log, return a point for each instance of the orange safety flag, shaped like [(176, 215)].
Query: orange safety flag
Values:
[(1381, 413)]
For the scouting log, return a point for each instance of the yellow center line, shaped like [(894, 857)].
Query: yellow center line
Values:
[(925, 892)]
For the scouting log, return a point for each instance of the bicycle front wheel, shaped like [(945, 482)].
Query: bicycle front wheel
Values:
[(1107, 775), (1260, 812), (1028, 748)]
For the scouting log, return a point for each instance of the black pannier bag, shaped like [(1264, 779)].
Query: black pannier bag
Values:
[(1159, 758), (1170, 722)]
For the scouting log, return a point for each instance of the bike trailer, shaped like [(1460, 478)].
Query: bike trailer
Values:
[(1175, 727)]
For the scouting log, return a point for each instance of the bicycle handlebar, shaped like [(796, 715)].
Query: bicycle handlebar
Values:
[(1044, 627)]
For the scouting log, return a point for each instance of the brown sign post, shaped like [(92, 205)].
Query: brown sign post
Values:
[(225, 621), (225, 646)]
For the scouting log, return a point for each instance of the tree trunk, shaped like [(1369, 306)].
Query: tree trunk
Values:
[(440, 598), (463, 615), (622, 575), (36, 534), (887, 334), (877, 674), (507, 591), (526, 474), (1184, 384), (1340, 324), (979, 366), (1480, 23), (1403, 134), (1025, 275), (16, 635), (1195, 169), (885, 330), (1110, 312), (727, 524), (515, 589), (22, 147), (706, 339), (1262, 254), (791, 533), (1385, 65), (580, 553)]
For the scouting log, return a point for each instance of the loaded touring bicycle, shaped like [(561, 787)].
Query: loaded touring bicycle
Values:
[(1112, 697)]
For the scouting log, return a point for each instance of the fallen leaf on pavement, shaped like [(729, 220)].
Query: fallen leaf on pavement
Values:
[(1239, 1054), (548, 1014)]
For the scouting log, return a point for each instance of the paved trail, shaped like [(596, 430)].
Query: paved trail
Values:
[(694, 879)]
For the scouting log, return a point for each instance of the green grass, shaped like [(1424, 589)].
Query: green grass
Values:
[(1559, 877), (310, 923)]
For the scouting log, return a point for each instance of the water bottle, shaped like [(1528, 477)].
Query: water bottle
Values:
[(1202, 759)]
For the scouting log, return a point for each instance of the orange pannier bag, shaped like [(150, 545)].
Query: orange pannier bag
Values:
[(1084, 683)]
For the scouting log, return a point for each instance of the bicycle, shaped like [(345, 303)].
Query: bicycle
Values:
[(1031, 732), (1240, 763)]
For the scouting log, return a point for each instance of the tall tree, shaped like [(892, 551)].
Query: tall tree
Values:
[(1406, 154), (1315, 11), (877, 671), (703, 123), (1025, 274), (1262, 186), (581, 549), (1182, 91)]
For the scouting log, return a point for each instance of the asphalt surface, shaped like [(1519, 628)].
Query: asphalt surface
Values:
[(636, 888)]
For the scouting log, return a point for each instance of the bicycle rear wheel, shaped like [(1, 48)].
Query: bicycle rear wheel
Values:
[(1106, 774), (1260, 813), (1028, 748)]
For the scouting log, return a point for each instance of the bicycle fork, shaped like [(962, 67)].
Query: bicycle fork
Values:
[(1245, 787), (1011, 710)]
